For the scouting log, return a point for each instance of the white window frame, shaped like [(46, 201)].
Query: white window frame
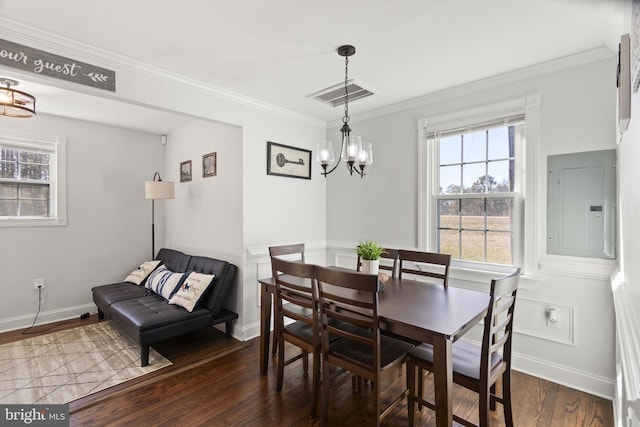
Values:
[(57, 146), (526, 163)]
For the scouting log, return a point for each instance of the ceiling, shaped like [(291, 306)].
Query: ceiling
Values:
[(280, 51)]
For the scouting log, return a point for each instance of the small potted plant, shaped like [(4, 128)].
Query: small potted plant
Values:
[(369, 252)]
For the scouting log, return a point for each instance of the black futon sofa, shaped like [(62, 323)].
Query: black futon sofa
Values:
[(148, 318)]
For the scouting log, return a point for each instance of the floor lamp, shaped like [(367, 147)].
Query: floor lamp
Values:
[(157, 189)]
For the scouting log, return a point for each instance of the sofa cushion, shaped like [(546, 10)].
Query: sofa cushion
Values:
[(165, 282), (192, 290), (138, 275), (105, 295), (174, 260), (146, 314)]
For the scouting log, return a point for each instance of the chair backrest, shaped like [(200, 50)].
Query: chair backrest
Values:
[(428, 264), (348, 304), (498, 325), (391, 265), (295, 293), (296, 251), (279, 251)]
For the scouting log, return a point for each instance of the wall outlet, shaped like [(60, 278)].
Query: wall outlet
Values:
[(553, 318), (39, 284)]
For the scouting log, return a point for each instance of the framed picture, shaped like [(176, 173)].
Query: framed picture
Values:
[(185, 171), (209, 165), (283, 160)]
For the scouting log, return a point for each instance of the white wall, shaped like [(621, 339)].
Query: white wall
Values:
[(627, 285), (576, 114), (108, 232), (277, 210), (205, 218)]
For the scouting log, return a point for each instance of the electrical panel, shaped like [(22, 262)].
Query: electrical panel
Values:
[(581, 202)]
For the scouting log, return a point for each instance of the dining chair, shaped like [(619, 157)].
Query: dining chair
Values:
[(292, 298), (478, 368), (348, 303), (292, 252), (392, 265), (426, 264), (435, 266)]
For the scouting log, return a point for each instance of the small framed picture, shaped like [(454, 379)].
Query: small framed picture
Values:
[(209, 165), (185, 171), (284, 160)]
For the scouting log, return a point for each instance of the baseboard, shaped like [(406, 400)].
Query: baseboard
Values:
[(565, 375), (49, 316), (248, 332)]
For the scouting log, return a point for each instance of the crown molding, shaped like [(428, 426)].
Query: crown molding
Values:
[(40, 39), (566, 62)]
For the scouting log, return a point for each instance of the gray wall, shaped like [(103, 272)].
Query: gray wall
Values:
[(108, 232)]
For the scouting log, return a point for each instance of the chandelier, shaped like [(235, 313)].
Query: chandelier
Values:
[(15, 103), (352, 150)]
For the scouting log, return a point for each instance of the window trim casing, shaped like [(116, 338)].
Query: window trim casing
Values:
[(58, 177), (428, 179)]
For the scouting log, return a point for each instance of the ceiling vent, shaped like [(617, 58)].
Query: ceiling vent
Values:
[(334, 95)]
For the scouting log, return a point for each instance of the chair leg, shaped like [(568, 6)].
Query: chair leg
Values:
[(274, 347), (326, 384), (316, 383), (506, 398), (376, 401), (492, 400), (420, 387), (305, 361), (483, 404), (280, 351), (411, 385)]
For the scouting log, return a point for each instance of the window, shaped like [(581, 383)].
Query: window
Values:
[(477, 202), (32, 180), (472, 190)]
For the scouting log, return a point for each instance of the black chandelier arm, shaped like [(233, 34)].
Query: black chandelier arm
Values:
[(325, 173)]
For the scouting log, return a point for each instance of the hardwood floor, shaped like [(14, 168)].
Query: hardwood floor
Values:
[(216, 382)]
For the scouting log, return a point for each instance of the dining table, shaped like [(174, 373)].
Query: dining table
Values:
[(414, 309)]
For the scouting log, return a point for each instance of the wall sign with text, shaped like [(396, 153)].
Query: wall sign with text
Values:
[(47, 64)]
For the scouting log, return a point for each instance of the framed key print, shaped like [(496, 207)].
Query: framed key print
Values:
[(284, 160)]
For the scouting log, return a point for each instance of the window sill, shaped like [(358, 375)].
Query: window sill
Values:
[(586, 268), (33, 222), (474, 278)]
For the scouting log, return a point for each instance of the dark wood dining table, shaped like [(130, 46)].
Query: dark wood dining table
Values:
[(421, 311)]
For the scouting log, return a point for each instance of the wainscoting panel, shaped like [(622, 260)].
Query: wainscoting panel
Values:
[(537, 321)]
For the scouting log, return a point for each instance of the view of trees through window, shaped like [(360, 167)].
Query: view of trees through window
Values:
[(24, 183), (476, 195)]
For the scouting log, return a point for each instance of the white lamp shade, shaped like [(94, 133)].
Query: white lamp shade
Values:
[(365, 157), (352, 149), (159, 190), (324, 153)]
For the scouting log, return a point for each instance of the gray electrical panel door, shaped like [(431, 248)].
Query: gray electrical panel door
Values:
[(581, 196)]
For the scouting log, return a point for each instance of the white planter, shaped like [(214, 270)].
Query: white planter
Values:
[(370, 266)]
